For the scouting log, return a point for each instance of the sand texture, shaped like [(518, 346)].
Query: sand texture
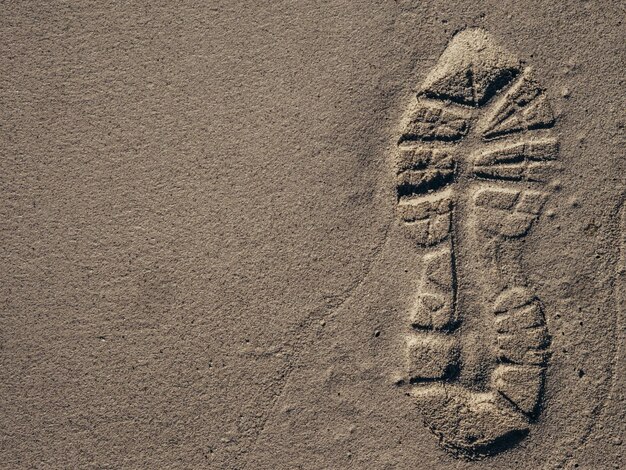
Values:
[(313, 235)]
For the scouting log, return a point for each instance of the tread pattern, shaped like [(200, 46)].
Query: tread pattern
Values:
[(477, 88)]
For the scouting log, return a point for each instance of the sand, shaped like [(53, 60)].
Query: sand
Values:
[(317, 235)]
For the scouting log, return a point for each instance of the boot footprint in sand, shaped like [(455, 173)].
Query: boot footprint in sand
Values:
[(473, 160)]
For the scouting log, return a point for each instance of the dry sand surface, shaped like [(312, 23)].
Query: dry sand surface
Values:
[(313, 235)]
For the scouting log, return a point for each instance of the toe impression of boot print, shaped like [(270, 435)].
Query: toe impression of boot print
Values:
[(473, 161)]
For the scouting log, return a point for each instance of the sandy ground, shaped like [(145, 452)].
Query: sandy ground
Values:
[(203, 264)]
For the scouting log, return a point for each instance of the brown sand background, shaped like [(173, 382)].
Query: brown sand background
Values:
[(197, 198)]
